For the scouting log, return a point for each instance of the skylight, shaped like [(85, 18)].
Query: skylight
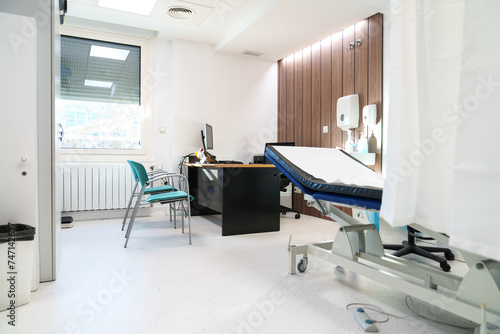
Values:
[(143, 7), (111, 53), (96, 83)]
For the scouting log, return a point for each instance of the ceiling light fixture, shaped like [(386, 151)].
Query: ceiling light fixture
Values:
[(252, 53), (110, 53), (180, 12), (143, 7)]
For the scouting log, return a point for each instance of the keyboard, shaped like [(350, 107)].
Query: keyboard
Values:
[(229, 162)]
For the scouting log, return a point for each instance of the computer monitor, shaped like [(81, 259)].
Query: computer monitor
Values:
[(209, 137), (266, 161)]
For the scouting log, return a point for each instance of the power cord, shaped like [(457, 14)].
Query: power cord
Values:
[(377, 309), (409, 304), (183, 160)]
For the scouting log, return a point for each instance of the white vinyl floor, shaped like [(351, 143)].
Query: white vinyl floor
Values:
[(218, 285)]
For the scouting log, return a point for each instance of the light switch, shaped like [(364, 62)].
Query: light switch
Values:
[(325, 129), (162, 129)]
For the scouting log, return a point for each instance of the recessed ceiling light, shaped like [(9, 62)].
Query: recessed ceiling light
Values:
[(252, 53), (100, 84), (143, 7), (111, 53), (180, 12)]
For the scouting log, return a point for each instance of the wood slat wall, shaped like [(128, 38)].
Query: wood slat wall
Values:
[(312, 80)]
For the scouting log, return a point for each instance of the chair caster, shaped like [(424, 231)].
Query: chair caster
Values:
[(449, 256), (297, 216)]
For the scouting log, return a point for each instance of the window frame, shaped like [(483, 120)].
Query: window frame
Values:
[(146, 100)]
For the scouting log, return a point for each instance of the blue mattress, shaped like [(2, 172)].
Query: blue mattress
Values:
[(318, 188)]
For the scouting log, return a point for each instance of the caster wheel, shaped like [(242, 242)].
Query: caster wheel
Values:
[(302, 265), (449, 256), (445, 266), (297, 216)]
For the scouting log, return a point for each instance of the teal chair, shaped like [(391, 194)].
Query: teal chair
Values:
[(158, 174), (174, 196)]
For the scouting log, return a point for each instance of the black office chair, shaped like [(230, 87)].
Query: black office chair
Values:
[(409, 246), (284, 182)]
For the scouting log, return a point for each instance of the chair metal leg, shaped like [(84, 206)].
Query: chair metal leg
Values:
[(175, 217), (175, 214), (129, 204), (132, 220), (189, 217), (181, 207)]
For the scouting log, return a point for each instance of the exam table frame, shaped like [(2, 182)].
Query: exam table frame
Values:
[(358, 248)]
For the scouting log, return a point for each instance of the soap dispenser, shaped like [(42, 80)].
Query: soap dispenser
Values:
[(372, 144), (362, 143), (349, 144)]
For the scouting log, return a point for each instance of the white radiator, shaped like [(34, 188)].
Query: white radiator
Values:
[(90, 187)]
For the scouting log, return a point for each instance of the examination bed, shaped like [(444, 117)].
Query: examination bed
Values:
[(330, 178)]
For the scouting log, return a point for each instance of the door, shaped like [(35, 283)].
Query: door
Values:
[(18, 128)]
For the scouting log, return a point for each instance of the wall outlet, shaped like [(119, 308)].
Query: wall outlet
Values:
[(325, 129)]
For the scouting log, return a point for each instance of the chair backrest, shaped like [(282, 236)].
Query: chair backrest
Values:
[(141, 172), (134, 173)]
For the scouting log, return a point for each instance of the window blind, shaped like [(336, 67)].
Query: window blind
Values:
[(93, 70)]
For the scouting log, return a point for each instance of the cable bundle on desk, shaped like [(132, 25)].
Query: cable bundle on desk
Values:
[(183, 160)]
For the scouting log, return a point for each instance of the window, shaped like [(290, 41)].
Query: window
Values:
[(100, 107)]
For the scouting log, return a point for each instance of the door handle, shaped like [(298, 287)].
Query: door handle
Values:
[(60, 132)]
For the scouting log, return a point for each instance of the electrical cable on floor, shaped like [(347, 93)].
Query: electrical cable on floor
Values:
[(377, 309), (409, 304)]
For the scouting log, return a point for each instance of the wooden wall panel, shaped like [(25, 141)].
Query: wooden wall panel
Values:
[(361, 69), (298, 106), (326, 90), (375, 60), (306, 111), (282, 100), (336, 132), (316, 95), (311, 81), (298, 102), (290, 99), (316, 101), (348, 61), (348, 75), (307, 98)]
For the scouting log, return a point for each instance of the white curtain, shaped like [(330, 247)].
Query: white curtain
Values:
[(433, 178), (475, 223)]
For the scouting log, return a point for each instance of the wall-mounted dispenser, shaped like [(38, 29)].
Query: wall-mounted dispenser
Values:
[(370, 114), (348, 112)]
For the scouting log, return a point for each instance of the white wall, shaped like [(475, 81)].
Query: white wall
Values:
[(161, 81), (236, 95)]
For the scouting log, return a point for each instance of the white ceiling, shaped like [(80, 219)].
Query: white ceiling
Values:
[(276, 28)]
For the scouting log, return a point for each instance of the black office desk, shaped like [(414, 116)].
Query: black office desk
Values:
[(247, 196)]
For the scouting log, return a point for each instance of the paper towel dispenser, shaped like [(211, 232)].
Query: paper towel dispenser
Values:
[(348, 112)]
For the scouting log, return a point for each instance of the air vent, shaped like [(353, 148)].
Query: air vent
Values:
[(252, 53), (181, 12)]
